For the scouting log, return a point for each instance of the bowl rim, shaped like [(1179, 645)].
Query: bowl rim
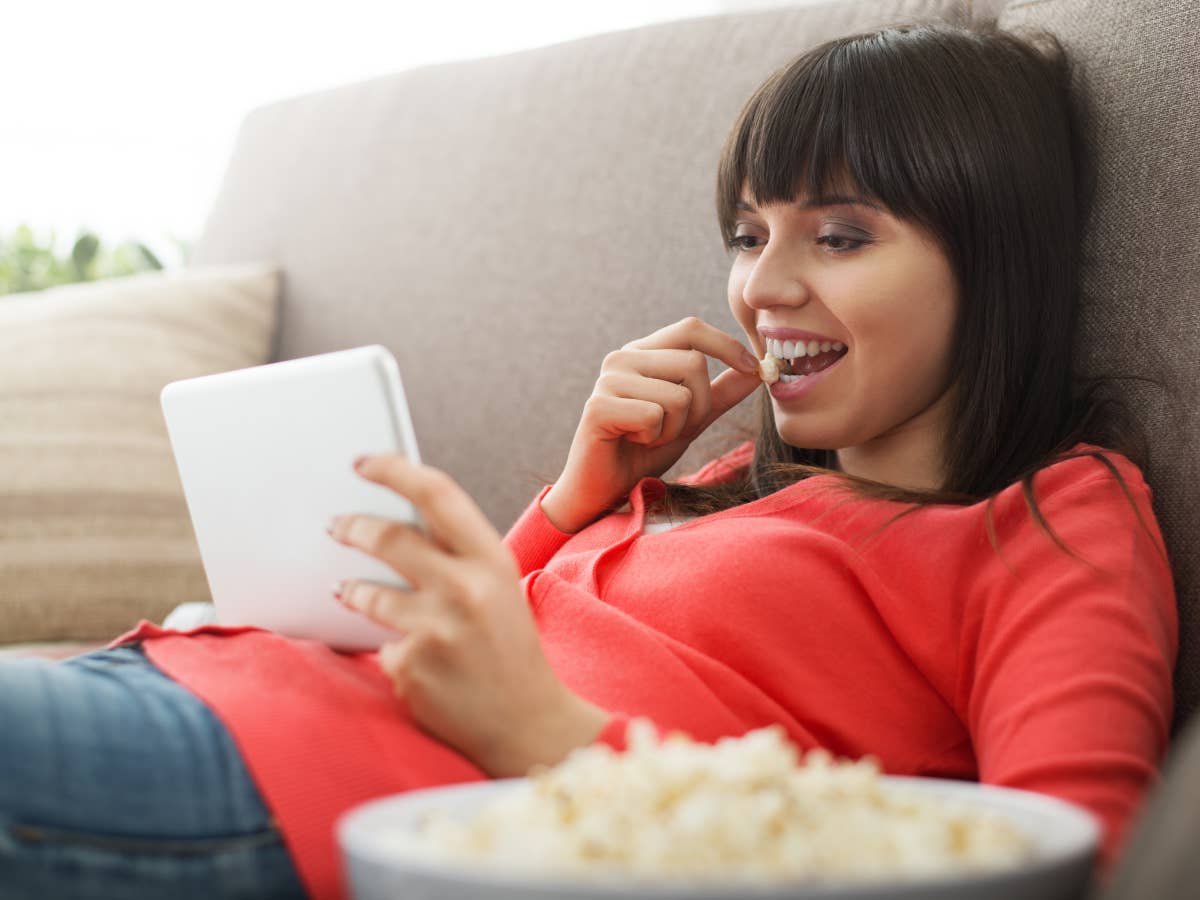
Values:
[(1069, 835)]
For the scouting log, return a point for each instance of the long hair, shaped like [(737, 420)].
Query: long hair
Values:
[(972, 134)]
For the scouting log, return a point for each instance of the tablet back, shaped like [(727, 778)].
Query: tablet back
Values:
[(265, 456)]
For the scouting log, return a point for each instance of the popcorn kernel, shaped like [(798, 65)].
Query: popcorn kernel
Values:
[(769, 368)]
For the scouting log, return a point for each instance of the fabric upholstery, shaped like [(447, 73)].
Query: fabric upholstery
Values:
[(1141, 280), (94, 529), (528, 212)]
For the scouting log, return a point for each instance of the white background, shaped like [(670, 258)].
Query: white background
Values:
[(120, 116)]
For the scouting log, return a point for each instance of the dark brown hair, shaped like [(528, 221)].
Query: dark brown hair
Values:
[(970, 133)]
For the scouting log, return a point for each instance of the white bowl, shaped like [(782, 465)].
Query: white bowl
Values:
[(1065, 839)]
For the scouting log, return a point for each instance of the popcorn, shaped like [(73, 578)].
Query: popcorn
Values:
[(769, 368), (748, 808)]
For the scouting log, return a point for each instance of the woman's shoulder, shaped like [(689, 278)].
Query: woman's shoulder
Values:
[(1089, 465), (1090, 487)]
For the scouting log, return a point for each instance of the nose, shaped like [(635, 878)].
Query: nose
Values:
[(774, 280)]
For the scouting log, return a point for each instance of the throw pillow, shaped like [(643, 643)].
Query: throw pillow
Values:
[(94, 528)]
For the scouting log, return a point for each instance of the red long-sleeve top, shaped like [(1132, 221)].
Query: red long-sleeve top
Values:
[(919, 645)]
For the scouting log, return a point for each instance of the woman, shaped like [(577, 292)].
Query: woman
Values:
[(938, 550)]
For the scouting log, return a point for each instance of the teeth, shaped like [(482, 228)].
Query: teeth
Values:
[(801, 349)]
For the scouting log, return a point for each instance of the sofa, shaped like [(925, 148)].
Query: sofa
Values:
[(532, 211)]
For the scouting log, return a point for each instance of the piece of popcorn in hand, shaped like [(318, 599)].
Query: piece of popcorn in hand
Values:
[(769, 367)]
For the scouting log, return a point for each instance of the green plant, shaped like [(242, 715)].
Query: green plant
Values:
[(29, 263)]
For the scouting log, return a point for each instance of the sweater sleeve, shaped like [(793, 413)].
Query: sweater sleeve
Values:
[(532, 539), (1067, 670)]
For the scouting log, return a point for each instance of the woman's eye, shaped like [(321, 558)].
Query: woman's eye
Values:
[(835, 242), (736, 242), (830, 239)]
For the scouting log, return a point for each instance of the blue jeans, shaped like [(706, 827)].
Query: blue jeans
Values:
[(117, 783)]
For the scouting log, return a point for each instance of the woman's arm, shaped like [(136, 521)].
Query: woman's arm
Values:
[(1066, 680), (533, 538)]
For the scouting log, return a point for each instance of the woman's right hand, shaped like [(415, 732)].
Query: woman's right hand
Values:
[(652, 399)]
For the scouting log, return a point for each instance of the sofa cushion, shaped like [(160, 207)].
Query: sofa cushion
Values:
[(94, 529), (1138, 78)]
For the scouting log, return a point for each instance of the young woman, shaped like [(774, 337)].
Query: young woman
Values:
[(939, 550)]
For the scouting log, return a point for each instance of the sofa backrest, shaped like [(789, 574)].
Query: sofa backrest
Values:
[(528, 213)]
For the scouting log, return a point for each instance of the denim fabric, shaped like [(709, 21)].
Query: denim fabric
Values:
[(116, 783)]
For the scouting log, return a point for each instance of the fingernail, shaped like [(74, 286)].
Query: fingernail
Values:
[(337, 589), (360, 462), (750, 361)]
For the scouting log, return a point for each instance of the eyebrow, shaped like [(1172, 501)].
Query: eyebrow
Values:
[(835, 200)]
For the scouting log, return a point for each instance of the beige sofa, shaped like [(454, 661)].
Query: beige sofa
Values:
[(538, 209)]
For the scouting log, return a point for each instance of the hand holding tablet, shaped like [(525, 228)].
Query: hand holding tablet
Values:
[(467, 658)]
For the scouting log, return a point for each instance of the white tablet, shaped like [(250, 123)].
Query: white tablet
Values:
[(265, 456)]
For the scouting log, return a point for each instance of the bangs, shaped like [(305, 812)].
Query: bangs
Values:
[(813, 131)]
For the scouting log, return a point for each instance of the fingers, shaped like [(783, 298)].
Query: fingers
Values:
[(683, 406), (455, 521), (728, 390), (411, 554), (418, 629), (640, 421), (693, 333), (390, 606), (677, 381), (678, 355), (394, 659)]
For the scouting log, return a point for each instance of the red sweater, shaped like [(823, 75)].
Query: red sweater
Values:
[(919, 645)]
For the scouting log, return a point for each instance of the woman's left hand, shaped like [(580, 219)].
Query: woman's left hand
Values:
[(469, 660)]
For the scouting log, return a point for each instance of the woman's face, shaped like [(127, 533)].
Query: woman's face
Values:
[(853, 275)]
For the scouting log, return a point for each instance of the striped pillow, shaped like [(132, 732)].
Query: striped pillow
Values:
[(94, 528)]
